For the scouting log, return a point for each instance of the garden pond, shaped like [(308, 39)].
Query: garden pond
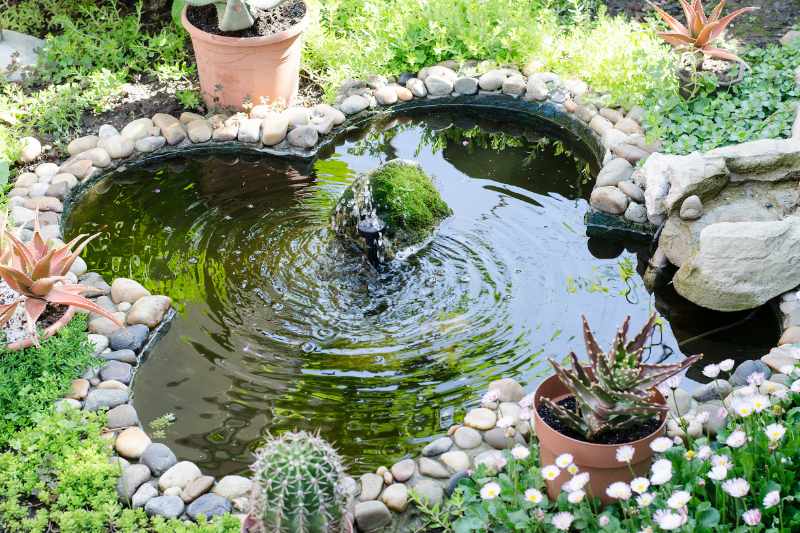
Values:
[(280, 326)]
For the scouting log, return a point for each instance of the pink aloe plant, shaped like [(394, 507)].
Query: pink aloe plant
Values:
[(38, 273)]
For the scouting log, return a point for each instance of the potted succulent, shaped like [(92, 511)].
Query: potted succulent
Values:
[(247, 51), (590, 412), (696, 39)]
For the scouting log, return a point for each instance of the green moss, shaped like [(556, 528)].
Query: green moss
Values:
[(406, 200), (32, 379)]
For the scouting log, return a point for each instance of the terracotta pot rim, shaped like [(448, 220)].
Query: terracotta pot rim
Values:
[(577, 442), (289, 33)]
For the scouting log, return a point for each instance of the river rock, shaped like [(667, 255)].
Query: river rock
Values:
[(117, 147), (303, 137), (353, 104), (636, 213), (134, 130), (679, 402), (761, 160), (232, 487), (790, 336), (196, 487), (467, 438), (437, 447), (122, 416), (609, 200), (403, 470), (81, 144), (492, 80), (386, 95), (780, 357), (746, 369), (507, 390), (692, 208), (273, 128), (127, 290), (466, 86), (179, 475), (209, 506), (429, 492), (395, 497), (166, 506), (199, 130), (371, 486), (105, 399), (131, 479), (632, 191), (144, 494), (614, 172), (741, 265), (132, 442), (716, 390), (432, 468), (123, 356), (440, 81), (129, 338), (122, 372), (480, 418), (30, 149), (372, 516), (630, 152), (149, 310), (250, 130), (629, 126), (78, 389), (417, 87), (159, 458), (456, 461)]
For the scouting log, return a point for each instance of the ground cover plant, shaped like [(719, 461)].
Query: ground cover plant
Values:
[(57, 476), (743, 480)]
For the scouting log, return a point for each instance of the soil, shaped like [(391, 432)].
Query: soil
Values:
[(614, 437), (268, 21), (773, 19), (51, 314)]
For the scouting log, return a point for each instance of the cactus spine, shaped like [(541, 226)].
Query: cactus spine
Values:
[(297, 485)]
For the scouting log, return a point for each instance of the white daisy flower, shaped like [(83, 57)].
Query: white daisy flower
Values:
[(722, 460), (760, 402), (625, 454), (736, 487), (667, 520), (639, 485), (520, 453), (576, 496), (562, 521), (704, 452), (619, 491), (645, 500), (755, 379), (752, 517), (579, 481), (737, 439), (534, 496), (775, 432), (772, 499), (564, 460), (718, 473), (711, 371), (572, 469), (726, 365), (679, 499), (490, 491), (661, 444), (550, 472)]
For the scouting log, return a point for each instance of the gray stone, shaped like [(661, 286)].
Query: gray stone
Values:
[(371, 486), (432, 468), (636, 213), (609, 200), (716, 416), (507, 390), (790, 37), (536, 90), (514, 85), (762, 160), (613, 115), (716, 390), (671, 179), (437, 447), (632, 191), (353, 104), (20, 51), (614, 172), (67, 403), (297, 116), (429, 492), (372, 516), (466, 85), (274, 128), (628, 125), (780, 357), (123, 356), (467, 438), (629, 152), (692, 208), (122, 416), (790, 336), (746, 369), (118, 147), (134, 130), (395, 497), (166, 506), (209, 506), (149, 144), (232, 487), (57, 190), (497, 439), (131, 443), (303, 137), (199, 130), (178, 475), (586, 112), (144, 494), (492, 80), (127, 290), (159, 458), (130, 480), (149, 310), (46, 171), (122, 372), (480, 418), (105, 399), (417, 87), (386, 95), (679, 402), (403, 470), (438, 85), (196, 487), (601, 125), (81, 144), (742, 265), (456, 461), (129, 338), (250, 130)]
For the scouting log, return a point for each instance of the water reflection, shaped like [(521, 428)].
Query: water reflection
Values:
[(281, 327)]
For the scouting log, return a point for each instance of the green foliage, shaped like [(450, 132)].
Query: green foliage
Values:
[(298, 485), (762, 106), (406, 199), (57, 475), (160, 425), (32, 379), (356, 38), (189, 99), (37, 17)]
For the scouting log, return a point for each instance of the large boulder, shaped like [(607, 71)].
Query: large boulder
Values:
[(671, 179), (742, 265), (762, 160)]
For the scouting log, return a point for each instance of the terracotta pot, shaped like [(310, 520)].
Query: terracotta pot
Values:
[(599, 460), (235, 70)]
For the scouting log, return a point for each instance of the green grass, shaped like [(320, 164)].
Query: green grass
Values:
[(407, 200), (32, 379)]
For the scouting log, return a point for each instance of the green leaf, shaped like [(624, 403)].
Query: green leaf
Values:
[(708, 518), (5, 172)]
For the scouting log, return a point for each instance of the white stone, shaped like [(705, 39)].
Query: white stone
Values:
[(179, 475)]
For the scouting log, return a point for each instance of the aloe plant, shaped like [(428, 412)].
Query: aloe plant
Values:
[(235, 15), (616, 390), (700, 30), (38, 273)]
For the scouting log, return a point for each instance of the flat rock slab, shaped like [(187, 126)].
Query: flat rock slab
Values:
[(26, 46)]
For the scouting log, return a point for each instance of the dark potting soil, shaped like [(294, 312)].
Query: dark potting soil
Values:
[(625, 436), (51, 315), (268, 21)]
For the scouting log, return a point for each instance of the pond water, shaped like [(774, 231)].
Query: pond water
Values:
[(282, 327)]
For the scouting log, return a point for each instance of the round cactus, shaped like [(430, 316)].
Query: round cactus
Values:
[(297, 485)]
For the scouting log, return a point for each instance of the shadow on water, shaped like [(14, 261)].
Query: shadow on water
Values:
[(281, 327)]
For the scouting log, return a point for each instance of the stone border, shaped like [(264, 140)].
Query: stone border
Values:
[(152, 477)]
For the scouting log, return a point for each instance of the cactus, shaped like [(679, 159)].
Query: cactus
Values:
[(235, 15), (297, 485), (617, 390)]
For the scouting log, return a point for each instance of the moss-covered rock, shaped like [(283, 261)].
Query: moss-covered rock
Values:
[(397, 202)]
